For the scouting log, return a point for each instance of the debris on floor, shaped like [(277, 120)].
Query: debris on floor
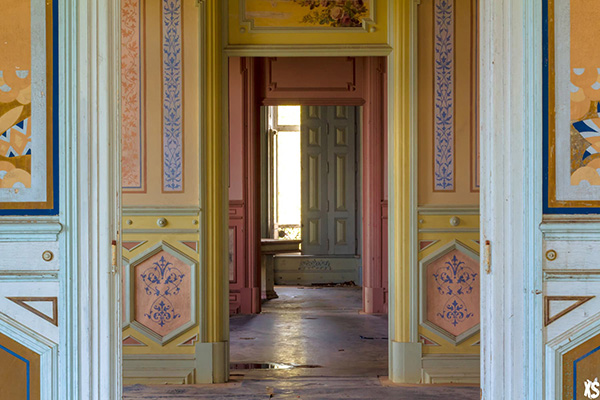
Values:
[(331, 284)]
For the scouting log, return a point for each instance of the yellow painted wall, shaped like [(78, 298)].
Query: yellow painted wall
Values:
[(436, 226), (152, 75), (261, 22), (179, 228), (465, 105)]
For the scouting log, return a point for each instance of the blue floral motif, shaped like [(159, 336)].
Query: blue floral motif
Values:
[(162, 311), (455, 311), (162, 280), (455, 279), (444, 95), (172, 97)]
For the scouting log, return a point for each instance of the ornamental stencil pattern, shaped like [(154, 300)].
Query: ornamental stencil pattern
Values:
[(163, 293), (444, 95), (453, 292), (131, 98), (172, 96), (162, 280)]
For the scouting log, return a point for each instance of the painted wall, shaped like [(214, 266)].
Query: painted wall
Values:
[(357, 81), (160, 167), (29, 199), (293, 22), (448, 190), (571, 186), (160, 103)]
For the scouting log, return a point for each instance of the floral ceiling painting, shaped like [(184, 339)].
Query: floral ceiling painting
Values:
[(307, 13)]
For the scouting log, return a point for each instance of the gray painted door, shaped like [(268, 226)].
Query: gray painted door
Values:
[(328, 180)]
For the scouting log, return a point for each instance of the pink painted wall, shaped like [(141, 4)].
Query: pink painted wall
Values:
[(236, 131), (313, 80), (244, 187)]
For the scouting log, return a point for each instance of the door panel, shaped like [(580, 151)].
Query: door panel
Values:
[(314, 179), (342, 187), (328, 148)]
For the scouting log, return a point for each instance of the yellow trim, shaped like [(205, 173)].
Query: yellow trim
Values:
[(443, 222), (215, 190), (400, 179)]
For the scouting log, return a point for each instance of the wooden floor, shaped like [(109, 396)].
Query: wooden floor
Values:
[(316, 327)]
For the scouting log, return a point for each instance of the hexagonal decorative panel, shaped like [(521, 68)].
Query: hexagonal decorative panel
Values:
[(162, 293), (450, 292)]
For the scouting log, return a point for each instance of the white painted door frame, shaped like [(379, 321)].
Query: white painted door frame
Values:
[(89, 71), (511, 198)]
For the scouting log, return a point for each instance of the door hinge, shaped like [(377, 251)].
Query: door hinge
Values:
[(488, 257), (114, 257)]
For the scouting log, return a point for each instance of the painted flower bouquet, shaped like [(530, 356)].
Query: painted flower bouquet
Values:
[(335, 13)]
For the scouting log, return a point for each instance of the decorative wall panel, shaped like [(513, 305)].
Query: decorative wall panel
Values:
[(161, 280), (319, 22), (19, 371), (162, 297), (571, 109), (444, 95), (172, 96), (133, 134), (450, 279), (273, 15), (28, 107), (448, 311), (448, 135)]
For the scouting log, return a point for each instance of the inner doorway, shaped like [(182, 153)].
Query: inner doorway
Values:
[(312, 176), (299, 158)]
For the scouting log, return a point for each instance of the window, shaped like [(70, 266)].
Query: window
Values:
[(287, 164)]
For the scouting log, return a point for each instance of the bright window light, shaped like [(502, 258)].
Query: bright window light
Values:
[(288, 115), (288, 178)]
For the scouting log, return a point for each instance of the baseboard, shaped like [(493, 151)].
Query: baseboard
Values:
[(303, 270), (175, 369), (451, 368)]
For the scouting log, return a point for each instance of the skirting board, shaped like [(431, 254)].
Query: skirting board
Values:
[(451, 369), (156, 369), (294, 270)]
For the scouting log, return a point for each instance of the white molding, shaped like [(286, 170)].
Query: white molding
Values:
[(28, 276), (571, 231), (89, 118), (511, 198), (307, 50), (29, 230)]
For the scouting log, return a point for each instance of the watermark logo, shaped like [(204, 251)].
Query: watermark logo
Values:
[(592, 389)]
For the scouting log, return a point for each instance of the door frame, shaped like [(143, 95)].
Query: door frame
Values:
[(510, 120), (512, 363)]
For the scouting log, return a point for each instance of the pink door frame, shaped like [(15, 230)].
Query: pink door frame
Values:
[(244, 187), (254, 82)]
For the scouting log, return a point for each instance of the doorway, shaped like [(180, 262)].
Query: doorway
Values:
[(311, 206)]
